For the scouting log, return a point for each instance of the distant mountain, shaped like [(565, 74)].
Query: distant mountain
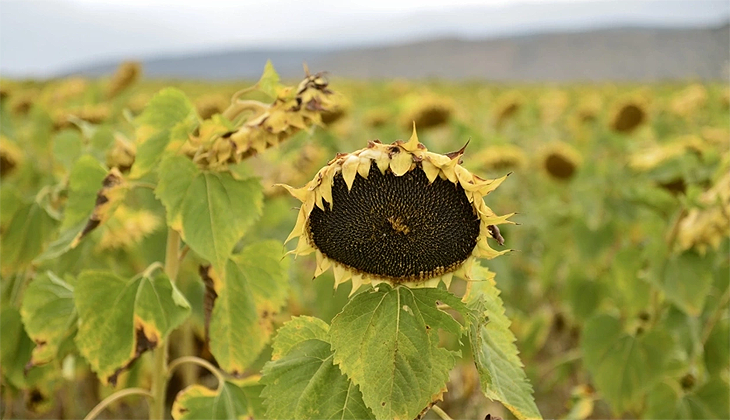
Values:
[(620, 54)]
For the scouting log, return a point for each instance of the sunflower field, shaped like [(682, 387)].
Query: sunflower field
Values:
[(329, 248)]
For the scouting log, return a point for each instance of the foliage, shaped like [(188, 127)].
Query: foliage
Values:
[(617, 298)]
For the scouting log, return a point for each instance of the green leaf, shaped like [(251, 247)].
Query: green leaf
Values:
[(669, 401), (305, 384), (623, 366), (48, 314), (211, 209), (62, 244), (295, 331), (170, 116), (230, 401), (100, 140), (26, 236), (501, 372), (717, 348), (166, 109), (84, 182), (687, 280), (15, 346), (120, 319), (253, 289), (149, 153), (67, 146), (270, 81), (633, 293), (386, 341)]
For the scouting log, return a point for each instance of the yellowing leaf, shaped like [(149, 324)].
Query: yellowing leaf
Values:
[(230, 401), (253, 289), (48, 314), (299, 329), (121, 319)]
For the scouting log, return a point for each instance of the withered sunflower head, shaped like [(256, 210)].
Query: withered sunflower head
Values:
[(396, 213)]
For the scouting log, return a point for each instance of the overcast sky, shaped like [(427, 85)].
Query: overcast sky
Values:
[(46, 37)]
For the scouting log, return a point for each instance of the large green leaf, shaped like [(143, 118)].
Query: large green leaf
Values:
[(120, 319), (386, 341), (229, 401), (26, 237), (305, 384), (169, 116), (623, 366), (49, 315), (670, 401), (687, 280), (253, 289), (501, 372), (212, 210)]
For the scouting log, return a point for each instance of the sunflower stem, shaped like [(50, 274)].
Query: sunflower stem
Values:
[(115, 396), (160, 371), (441, 413)]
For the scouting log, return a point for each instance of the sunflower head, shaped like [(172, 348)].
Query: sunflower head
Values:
[(396, 213), (10, 156), (560, 161), (628, 116)]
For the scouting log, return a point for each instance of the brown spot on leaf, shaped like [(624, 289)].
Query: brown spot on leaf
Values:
[(491, 417), (425, 410), (102, 205), (143, 344)]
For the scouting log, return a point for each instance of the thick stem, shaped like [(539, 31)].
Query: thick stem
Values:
[(189, 371), (115, 396), (159, 372)]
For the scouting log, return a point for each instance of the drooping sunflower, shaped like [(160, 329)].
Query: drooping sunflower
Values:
[(396, 213), (708, 226)]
